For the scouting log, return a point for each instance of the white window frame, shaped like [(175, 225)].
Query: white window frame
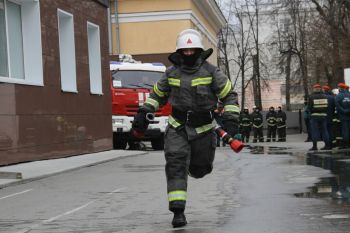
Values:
[(67, 51), (94, 52), (32, 46)]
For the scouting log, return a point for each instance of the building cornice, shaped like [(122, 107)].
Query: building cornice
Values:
[(165, 16), (210, 9)]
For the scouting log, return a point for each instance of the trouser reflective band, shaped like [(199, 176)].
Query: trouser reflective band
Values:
[(178, 195)]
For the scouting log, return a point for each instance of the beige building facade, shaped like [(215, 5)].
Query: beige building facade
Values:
[(147, 29)]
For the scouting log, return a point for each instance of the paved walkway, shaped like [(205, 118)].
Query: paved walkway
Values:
[(25, 172)]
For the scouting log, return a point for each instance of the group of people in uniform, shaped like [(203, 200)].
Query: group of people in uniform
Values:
[(327, 116), (276, 124)]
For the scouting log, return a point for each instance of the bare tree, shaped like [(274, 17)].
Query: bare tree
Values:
[(234, 44), (293, 42), (252, 13), (336, 14)]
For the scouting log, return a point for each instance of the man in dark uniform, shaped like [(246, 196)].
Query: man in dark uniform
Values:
[(337, 136), (306, 115), (245, 125), (318, 107), (193, 87), (257, 121), (330, 112), (281, 119), (271, 125), (342, 102)]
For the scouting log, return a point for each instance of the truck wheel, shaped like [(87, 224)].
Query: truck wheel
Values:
[(119, 143), (158, 144)]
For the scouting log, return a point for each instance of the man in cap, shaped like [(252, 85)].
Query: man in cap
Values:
[(337, 137), (193, 87), (318, 107), (271, 125), (281, 118), (245, 125), (257, 123), (330, 111), (342, 102)]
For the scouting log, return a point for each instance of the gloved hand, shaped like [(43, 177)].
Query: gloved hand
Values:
[(140, 122), (227, 138)]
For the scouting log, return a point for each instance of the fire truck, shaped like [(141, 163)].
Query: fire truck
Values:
[(131, 84)]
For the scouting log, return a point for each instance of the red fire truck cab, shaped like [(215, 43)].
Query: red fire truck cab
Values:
[(131, 84)]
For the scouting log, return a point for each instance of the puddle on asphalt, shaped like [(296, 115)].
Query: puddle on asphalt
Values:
[(331, 188), (336, 188), (269, 150)]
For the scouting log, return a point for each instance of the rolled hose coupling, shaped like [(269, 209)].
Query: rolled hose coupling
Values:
[(150, 116)]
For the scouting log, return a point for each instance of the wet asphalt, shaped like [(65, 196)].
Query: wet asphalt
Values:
[(262, 189)]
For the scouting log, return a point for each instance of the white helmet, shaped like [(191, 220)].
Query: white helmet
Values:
[(335, 91), (189, 38)]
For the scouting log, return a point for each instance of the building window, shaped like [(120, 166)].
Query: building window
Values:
[(93, 32), (67, 51), (20, 42)]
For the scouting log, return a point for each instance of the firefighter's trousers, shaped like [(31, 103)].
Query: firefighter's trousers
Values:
[(271, 133), (245, 131), (258, 134), (281, 132), (186, 157)]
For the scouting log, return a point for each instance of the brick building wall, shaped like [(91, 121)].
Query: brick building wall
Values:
[(41, 122)]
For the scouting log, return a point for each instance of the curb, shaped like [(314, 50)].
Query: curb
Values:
[(27, 180)]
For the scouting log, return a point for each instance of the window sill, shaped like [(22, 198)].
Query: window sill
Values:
[(20, 81)]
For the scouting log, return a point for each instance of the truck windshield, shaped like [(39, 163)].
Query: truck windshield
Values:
[(135, 78)]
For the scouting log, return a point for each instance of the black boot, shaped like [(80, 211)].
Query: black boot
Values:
[(179, 219), (314, 147)]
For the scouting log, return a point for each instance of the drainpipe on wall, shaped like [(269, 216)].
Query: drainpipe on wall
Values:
[(117, 24), (110, 31)]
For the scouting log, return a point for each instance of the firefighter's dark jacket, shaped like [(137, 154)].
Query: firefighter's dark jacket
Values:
[(257, 119), (318, 105), (194, 90), (342, 102), (245, 120), (271, 118), (281, 118)]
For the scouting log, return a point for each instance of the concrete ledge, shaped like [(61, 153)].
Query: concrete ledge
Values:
[(40, 169)]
